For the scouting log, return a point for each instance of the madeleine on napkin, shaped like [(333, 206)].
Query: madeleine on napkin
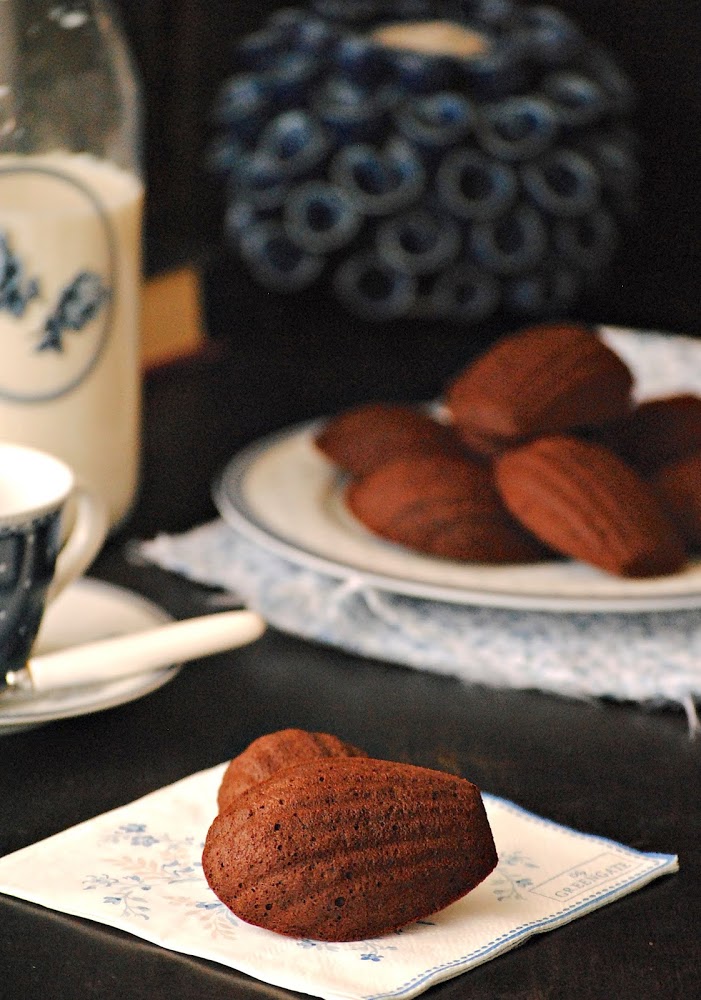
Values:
[(342, 848)]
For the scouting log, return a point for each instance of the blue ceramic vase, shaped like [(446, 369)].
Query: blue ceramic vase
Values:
[(423, 183)]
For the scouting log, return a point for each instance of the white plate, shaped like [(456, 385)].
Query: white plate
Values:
[(284, 495), (87, 610)]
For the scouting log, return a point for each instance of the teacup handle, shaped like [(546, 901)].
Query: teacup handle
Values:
[(85, 540)]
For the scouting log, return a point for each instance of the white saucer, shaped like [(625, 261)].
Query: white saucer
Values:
[(87, 610)]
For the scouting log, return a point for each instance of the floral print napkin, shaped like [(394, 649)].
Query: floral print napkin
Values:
[(138, 868)]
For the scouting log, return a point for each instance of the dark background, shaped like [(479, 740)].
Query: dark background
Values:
[(183, 50), (611, 769)]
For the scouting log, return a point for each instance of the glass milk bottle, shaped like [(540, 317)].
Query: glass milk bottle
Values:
[(71, 197)]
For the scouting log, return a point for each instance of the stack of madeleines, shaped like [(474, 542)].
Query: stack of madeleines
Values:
[(315, 839), (540, 452)]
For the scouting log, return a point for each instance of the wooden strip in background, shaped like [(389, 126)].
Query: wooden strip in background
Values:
[(171, 324)]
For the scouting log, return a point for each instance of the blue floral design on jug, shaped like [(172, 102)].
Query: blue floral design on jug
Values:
[(78, 304), (16, 291), (54, 320)]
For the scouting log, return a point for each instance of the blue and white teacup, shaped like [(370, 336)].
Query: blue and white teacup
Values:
[(51, 529)]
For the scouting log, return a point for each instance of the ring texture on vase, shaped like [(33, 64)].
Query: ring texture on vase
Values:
[(427, 159)]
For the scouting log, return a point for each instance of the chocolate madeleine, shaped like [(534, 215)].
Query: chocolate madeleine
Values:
[(446, 507), (365, 437), (678, 487), (659, 431), (585, 502), (545, 379), (348, 848)]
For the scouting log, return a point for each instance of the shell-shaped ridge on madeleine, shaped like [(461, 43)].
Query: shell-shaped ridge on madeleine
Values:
[(348, 848)]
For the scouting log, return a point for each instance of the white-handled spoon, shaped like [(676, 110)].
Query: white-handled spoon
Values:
[(136, 653)]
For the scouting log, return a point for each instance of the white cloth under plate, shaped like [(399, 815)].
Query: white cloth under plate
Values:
[(138, 868), (652, 657), (649, 657)]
